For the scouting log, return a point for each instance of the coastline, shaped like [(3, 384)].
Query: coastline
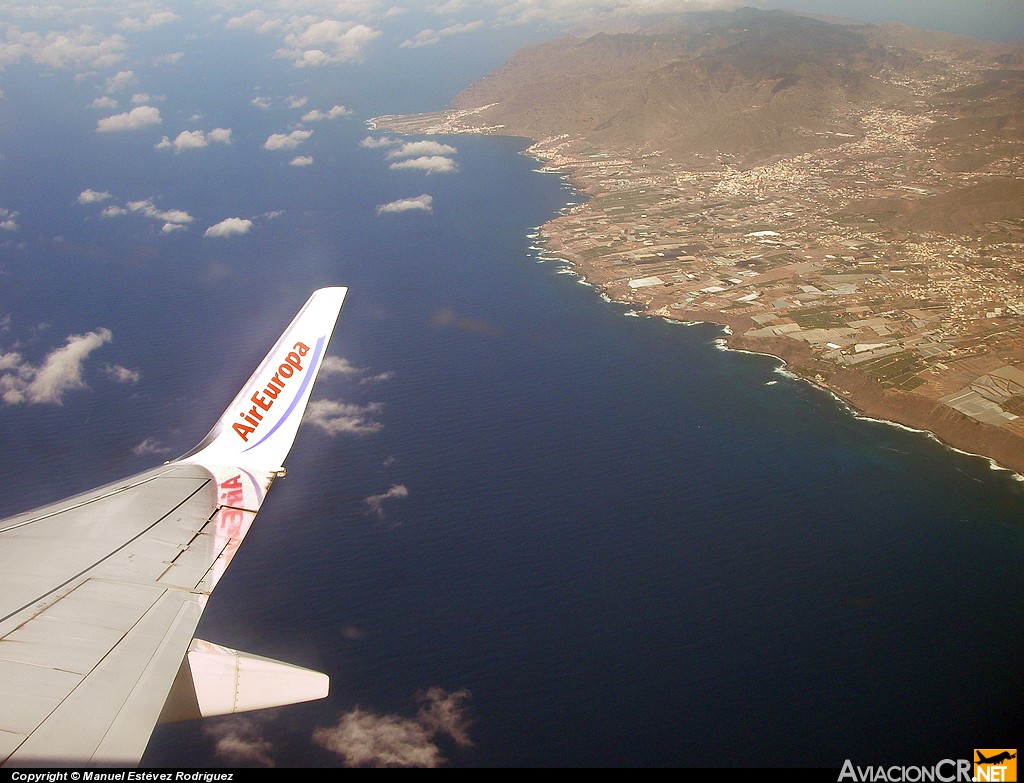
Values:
[(861, 394), (954, 431), (902, 413), (856, 391), (868, 403)]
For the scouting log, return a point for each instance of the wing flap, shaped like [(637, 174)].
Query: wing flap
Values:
[(104, 604), (81, 644), (158, 645), (108, 717), (9, 742), (29, 693)]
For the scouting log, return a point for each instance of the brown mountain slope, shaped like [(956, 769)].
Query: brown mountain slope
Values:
[(749, 84)]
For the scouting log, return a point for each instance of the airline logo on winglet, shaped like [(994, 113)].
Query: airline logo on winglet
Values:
[(263, 400)]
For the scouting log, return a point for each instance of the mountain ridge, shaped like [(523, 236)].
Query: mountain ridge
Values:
[(748, 84)]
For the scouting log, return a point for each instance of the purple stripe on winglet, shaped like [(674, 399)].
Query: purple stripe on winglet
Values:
[(317, 350)]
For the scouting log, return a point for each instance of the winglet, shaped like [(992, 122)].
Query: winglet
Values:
[(259, 426)]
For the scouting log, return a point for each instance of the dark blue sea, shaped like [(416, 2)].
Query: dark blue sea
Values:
[(597, 540)]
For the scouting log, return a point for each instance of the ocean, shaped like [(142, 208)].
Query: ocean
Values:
[(546, 533)]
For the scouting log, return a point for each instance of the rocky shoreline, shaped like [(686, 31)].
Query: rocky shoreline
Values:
[(869, 400)]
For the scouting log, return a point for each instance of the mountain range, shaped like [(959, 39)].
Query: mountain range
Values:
[(747, 84)]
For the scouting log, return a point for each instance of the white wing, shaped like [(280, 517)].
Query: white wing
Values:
[(100, 593)]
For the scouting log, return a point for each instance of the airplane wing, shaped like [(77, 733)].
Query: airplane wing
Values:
[(100, 594)]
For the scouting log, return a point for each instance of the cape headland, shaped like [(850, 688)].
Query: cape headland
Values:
[(848, 197)]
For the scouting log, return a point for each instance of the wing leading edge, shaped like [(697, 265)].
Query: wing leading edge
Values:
[(100, 594)]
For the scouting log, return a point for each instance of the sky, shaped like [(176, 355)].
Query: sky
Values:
[(121, 53), (102, 37)]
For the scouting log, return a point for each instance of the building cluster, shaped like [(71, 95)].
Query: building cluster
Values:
[(826, 248)]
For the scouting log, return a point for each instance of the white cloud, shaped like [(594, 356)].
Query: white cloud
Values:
[(260, 102), (334, 112), (364, 739), (336, 365), (446, 713), (191, 140), (60, 371), (336, 418), (326, 41), (432, 164), (419, 148), (423, 203), (90, 196), (426, 37), (12, 360), (147, 208), (376, 502), (378, 378), (431, 37), (576, 13), (150, 446), (239, 742), (301, 160), (121, 80), (229, 227), (84, 49), (142, 97), (256, 20), (151, 22), (139, 117), (286, 141), (8, 220), (312, 58), (121, 374), (247, 21), (371, 143), (459, 29), (186, 140), (104, 102), (449, 7), (173, 219)]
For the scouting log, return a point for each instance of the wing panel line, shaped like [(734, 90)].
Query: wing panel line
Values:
[(83, 503), (110, 554)]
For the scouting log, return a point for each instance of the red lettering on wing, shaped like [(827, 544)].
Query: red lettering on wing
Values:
[(264, 398)]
